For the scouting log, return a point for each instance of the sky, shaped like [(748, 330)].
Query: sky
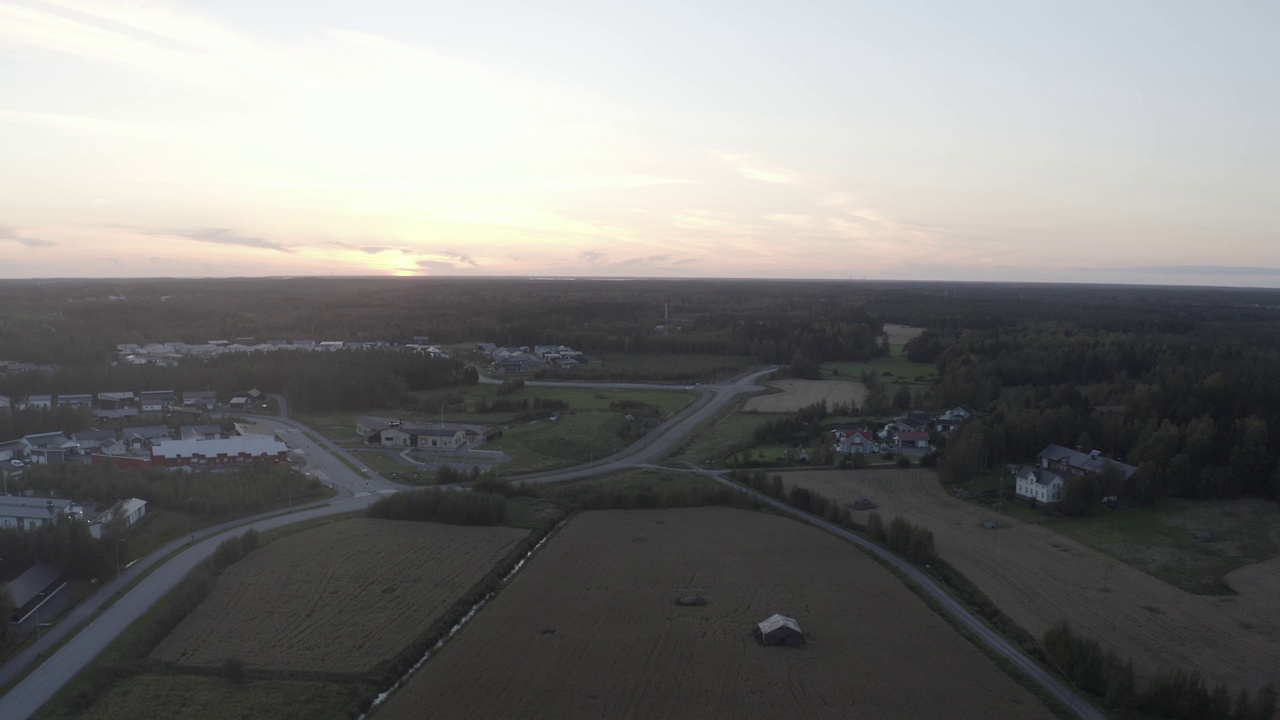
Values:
[(1116, 142)]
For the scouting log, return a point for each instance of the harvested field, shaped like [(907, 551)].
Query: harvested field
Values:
[(1038, 576), (797, 394), (198, 697), (591, 629), (336, 599)]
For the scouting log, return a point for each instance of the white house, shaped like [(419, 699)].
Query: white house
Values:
[(129, 511), (1044, 486)]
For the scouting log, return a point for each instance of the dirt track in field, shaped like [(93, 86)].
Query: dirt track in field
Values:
[(338, 598), (797, 394), (1038, 577), (591, 630)]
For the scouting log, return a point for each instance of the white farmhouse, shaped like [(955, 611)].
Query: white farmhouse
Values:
[(1045, 486)]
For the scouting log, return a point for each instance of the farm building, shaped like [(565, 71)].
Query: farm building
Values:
[(779, 629)]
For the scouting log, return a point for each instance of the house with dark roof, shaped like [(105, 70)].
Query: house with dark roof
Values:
[(141, 438), (115, 400), (156, 400), (200, 398), (1066, 460), (30, 589), (88, 441), (49, 448)]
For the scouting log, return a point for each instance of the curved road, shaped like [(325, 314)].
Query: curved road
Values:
[(355, 492)]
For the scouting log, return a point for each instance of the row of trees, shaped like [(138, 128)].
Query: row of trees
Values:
[(1176, 695)]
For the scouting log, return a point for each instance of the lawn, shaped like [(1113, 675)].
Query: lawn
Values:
[(893, 370)]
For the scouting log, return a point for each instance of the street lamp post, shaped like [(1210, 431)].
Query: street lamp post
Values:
[(189, 535), (118, 541)]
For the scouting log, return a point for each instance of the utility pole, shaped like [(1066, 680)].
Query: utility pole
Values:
[(189, 535)]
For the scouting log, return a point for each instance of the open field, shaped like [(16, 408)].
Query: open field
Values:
[(797, 394), (574, 438), (900, 334), (591, 629), (1162, 540), (338, 598), (341, 426), (199, 697), (1038, 577), (890, 370)]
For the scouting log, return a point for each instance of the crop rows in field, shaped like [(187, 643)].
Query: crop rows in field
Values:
[(336, 599), (591, 629)]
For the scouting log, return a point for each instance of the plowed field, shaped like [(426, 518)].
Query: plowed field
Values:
[(336, 599), (591, 630), (797, 394), (1038, 577)]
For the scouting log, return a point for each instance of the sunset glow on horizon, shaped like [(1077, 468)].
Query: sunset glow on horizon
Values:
[(1087, 142)]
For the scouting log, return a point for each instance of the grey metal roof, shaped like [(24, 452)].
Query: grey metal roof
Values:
[(777, 620), (16, 506), (31, 583)]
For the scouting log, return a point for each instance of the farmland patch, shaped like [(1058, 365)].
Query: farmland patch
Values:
[(1038, 577), (592, 629), (797, 394), (336, 599)]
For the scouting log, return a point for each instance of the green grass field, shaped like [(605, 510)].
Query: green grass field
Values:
[(573, 439), (202, 697), (898, 368), (1162, 540), (632, 480), (715, 441)]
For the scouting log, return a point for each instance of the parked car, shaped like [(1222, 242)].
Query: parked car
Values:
[(17, 463)]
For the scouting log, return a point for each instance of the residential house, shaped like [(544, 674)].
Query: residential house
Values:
[(90, 441), (114, 448), (205, 399), (126, 512), (108, 414), (1044, 486), (31, 513), (83, 400), (156, 400), (948, 420), (911, 439), (115, 400), (239, 403), (49, 448), (141, 438), (13, 450), (855, 440), (218, 453), (200, 432), (6, 403), (38, 402)]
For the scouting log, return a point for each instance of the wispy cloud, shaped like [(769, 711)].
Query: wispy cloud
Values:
[(1196, 270), (756, 170), (14, 236), (460, 257), (591, 256), (225, 236)]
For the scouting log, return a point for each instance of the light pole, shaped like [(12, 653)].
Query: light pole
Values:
[(118, 541), (189, 535)]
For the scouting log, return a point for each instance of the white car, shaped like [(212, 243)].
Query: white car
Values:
[(17, 463)]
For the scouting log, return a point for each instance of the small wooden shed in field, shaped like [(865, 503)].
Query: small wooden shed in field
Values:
[(780, 630)]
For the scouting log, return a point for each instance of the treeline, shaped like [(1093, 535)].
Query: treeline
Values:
[(1198, 421), (803, 426), (126, 656), (64, 543), (913, 542), (440, 506), (315, 381), (1176, 695), (258, 485)]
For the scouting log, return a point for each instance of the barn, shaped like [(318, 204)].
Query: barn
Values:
[(781, 630)]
